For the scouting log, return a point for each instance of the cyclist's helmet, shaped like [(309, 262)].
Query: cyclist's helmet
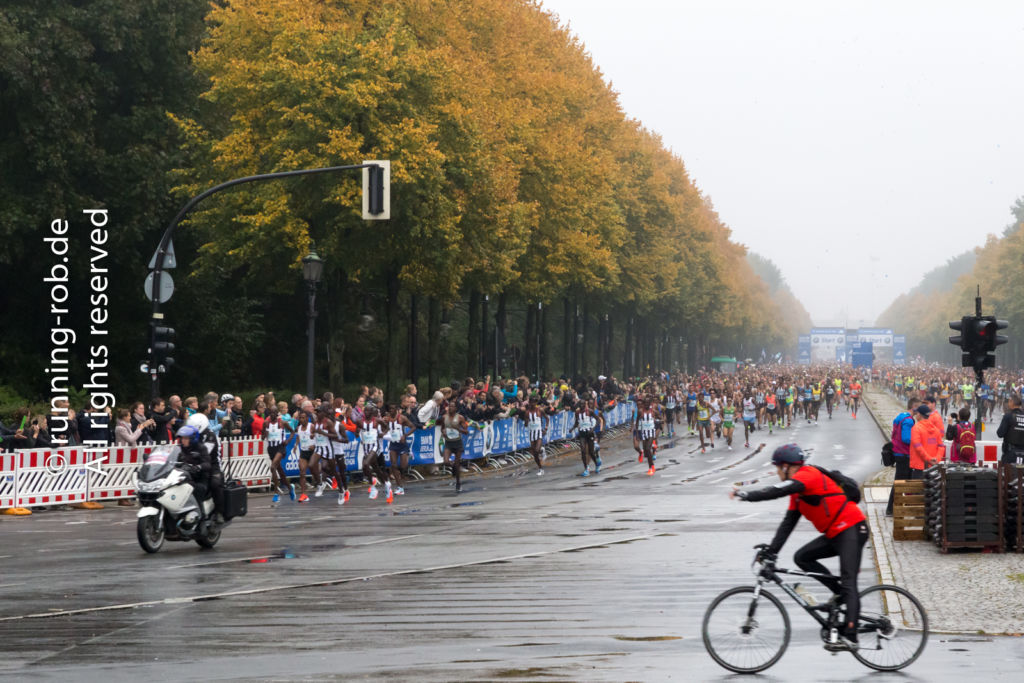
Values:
[(188, 431), (790, 454)]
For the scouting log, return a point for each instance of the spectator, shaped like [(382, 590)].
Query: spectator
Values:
[(900, 435), (234, 420), (174, 405), (427, 415), (191, 406), (162, 418), (963, 439), (125, 434), (94, 425), (138, 417), (37, 433), (925, 443)]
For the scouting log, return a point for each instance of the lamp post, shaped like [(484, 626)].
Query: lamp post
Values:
[(312, 271)]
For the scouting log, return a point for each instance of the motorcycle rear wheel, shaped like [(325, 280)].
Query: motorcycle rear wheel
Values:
[(210, 539), (150, 533)]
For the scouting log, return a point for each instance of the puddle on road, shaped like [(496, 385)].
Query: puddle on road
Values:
[(466, 504), (285, 554), (611, 528), (646, 639), (525, 673)]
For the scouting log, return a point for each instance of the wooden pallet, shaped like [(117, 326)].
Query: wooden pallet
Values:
[(908, 511)]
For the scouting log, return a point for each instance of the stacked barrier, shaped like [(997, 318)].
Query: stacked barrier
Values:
[(62, 476)]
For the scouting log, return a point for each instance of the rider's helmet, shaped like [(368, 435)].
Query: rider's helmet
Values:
[(199, 421), (790, 454), (188, 431)]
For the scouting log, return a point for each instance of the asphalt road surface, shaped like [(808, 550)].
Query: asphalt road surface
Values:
[(519, 578)]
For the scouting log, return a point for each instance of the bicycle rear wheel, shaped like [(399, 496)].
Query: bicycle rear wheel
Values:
[(743, 633), (892, 629)]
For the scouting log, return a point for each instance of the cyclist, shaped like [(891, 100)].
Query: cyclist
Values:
[(814, 495)]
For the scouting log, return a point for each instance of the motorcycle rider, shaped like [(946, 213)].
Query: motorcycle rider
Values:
[(201, 422), (199, 461)]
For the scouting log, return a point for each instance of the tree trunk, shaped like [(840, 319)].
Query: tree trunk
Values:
[(627, 352), (433, 345), (414, 339), (530, 341), (584, 347), (473, 335), (500, 323), (544, 344), (606, 362), (334, 306), (393, 359), (485, 346), (602, 340), (574, 371), (566, 334)]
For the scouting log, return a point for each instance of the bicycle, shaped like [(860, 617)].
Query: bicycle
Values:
[(746, 629)]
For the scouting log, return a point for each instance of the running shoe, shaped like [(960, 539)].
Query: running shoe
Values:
[(650, 471), (746, 445), (730, 448), (291, 491), (597, 468), (458, 488), (334, 483), (374, 492), (347, 494), (585, 473), (303, 498), (320, 489), (342, 497), (399, 491), (276, 498), (640, 456), (391, 497), (703, 451), (540, 473)]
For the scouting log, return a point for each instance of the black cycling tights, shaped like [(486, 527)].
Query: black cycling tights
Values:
[(848, 545)]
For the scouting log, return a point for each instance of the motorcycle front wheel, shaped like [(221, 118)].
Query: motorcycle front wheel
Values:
[(151, 533)]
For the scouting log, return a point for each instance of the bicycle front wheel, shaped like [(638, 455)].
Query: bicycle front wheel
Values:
[(744, 633), (892, 629)]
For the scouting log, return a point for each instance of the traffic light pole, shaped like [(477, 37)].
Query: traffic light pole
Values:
[(978, 341), (165, 241)]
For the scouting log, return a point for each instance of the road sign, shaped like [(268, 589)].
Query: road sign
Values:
[(166, 287), (169, 260)]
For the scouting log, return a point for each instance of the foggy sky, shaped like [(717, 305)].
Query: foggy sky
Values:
[(857, 145)]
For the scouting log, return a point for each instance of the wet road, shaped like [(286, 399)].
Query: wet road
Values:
[(519, 578)]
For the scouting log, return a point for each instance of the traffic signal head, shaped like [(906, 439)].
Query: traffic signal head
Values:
[(963, 326), (161, 346)]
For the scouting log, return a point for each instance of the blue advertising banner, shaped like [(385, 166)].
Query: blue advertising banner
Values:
[(503, 438), (899, 349), (803, 354)]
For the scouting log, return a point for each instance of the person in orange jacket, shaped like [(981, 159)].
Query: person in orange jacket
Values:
[(926, 448)]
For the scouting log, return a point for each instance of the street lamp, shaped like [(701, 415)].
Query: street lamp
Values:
[(312, 272)]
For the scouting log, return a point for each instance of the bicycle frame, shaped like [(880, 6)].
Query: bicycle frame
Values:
[(769, 574)]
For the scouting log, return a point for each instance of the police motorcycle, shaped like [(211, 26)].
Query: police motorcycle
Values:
[(170, 509)]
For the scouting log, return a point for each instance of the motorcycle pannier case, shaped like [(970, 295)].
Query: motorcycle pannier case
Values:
[(235, 500)]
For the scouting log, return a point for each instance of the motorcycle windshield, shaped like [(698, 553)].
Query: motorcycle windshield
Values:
[(159, 463)]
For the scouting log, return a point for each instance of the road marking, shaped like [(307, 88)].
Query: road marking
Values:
[(9, 585), (738, 519), (328, 582), (82, 522), (715, 481)]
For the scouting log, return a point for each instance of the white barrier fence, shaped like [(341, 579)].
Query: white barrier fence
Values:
[(988, 452), (62, 476)]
